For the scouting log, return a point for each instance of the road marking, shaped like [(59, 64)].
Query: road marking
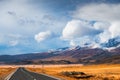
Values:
[(10, 75), (28, 74)]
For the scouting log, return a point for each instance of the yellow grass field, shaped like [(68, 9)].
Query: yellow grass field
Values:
[(99, 72), (5, 71)]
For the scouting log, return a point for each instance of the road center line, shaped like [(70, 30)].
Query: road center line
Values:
[(28, 74)]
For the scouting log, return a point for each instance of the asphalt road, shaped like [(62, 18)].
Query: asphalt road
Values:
[(23, 74)]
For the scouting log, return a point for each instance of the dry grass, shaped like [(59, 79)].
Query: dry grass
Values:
[(99, 72), (4, 71)]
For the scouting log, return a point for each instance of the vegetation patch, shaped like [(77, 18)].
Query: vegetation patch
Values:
[(77, 75)]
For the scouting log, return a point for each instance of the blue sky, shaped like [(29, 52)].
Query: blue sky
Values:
[(28, 26)]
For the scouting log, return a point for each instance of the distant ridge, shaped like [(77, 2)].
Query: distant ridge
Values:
[(66, 55)]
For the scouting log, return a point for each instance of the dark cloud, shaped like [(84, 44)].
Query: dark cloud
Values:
[(11, 13), (64, 6)]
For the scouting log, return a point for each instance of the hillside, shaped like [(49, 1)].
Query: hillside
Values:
[(67, 56)]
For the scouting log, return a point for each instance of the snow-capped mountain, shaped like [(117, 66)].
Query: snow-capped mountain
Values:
[(67, 55), (114, 42)]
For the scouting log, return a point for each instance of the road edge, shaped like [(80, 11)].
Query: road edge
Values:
[(45, 75), (10, 75)]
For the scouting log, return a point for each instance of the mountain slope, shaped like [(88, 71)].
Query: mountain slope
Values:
[(67, 56)]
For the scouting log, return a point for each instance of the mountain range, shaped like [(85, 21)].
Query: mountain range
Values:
[(67, 55), (113, 42)]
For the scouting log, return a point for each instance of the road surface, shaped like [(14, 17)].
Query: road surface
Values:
[(23, 74)]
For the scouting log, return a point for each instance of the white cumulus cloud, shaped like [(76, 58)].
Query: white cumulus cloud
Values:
[(77, 29), (99, 22), (115, 29), (43, 36), (101, 12), (108, 14), (101, 25)]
